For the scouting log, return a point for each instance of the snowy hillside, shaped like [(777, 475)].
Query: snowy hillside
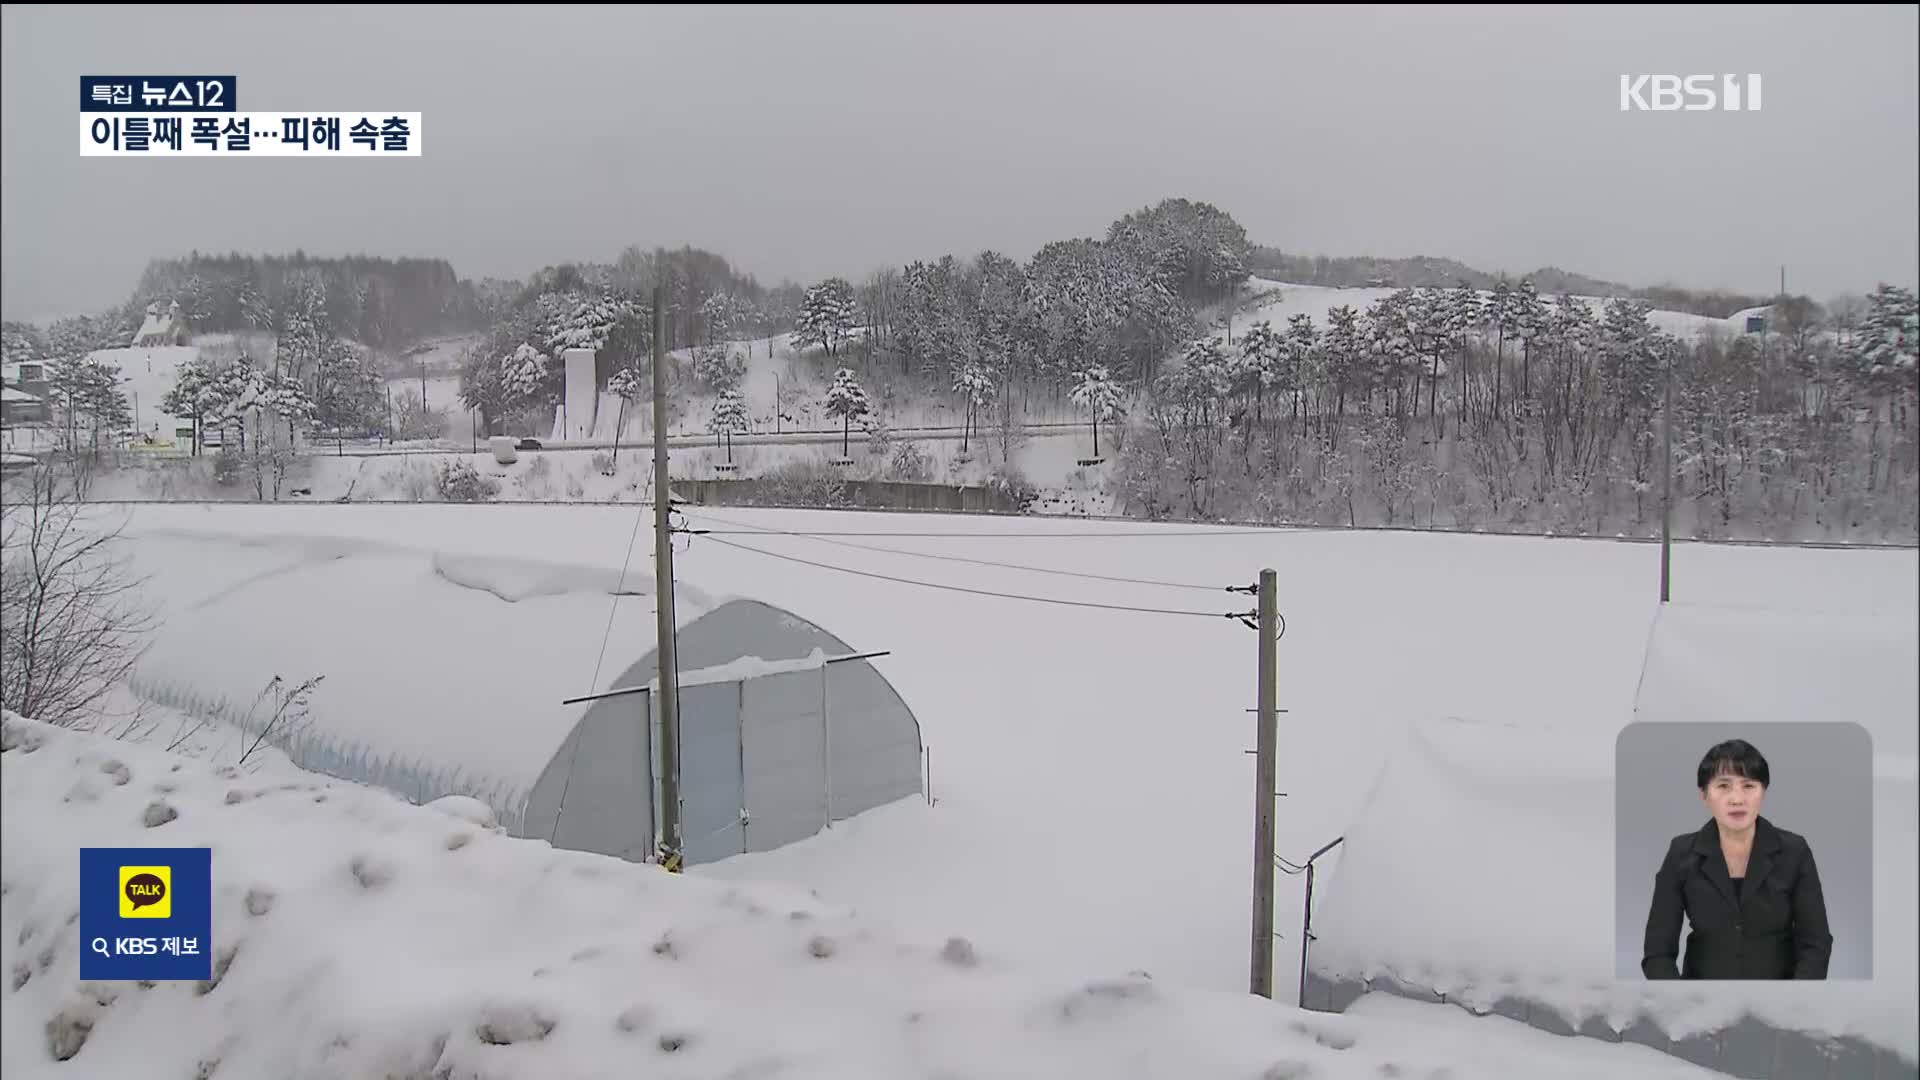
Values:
[(1316, 300), (357, 936), (147, 375)]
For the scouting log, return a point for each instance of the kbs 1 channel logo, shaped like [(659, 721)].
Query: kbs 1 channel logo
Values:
[(146, 914), (199, 116)]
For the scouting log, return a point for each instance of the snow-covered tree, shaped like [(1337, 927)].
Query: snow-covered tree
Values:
[(628, 385), (1629, 363), (974, 383), (578, 321), (254, 311), (191, 396), (828, 314), (730, 418), (724, 315), (1197, 249), (21, 342), (1261, 366), (718, 367), (1881, 356), (1527, 319), (1349, 373), (847, 400), (523, 373), (87, 401), (1096, 392)]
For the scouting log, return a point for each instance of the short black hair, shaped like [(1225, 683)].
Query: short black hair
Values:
[(1735, 757)]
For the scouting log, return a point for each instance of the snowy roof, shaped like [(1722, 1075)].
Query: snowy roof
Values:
[(1518, 895), (1772, 665), (8, 393), (458, 661)]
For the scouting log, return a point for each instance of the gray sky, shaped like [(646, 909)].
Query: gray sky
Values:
[(806, 142)]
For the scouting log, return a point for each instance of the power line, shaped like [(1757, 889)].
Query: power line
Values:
[(968, 591), (619, 588), (970, 562)]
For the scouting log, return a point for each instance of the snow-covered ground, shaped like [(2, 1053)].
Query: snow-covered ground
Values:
[(357, 936), (1092, 790), (1098, 738)]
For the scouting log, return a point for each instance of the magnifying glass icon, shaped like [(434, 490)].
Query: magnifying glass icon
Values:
[(100, 946)]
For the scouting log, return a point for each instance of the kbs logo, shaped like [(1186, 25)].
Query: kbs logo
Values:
[(1689, 93)]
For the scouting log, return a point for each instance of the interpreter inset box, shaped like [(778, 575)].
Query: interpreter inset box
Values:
[(1743, 851)]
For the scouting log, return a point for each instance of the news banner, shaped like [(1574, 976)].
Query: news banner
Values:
[(199, 116)]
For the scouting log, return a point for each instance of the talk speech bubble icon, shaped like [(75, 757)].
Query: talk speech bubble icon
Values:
[(144, 892)]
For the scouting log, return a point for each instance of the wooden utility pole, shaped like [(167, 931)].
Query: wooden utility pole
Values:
[(1666, 497), (1265, 775), (669, 697)]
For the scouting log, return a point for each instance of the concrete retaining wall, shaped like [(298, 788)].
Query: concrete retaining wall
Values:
[(1750, 1049), (858, 494)]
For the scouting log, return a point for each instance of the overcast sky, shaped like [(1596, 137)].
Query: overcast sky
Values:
[(804, 142)]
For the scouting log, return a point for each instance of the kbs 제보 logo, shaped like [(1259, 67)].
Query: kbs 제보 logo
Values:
[(146, 914)]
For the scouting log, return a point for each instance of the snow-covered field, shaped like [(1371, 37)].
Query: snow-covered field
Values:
[(360, 937), (1092, 790)]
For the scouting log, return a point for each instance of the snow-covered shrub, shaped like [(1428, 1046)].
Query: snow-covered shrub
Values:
[(459, 481), (803, 482), (1009, 478), (879, 435), (229, 467), (910, 464)]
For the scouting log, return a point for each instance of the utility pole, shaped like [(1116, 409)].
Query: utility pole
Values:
[(1666, 498), (1265, 775), (669, 703)]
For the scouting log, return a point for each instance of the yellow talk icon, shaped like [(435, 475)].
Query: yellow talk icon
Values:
[(146, 892)]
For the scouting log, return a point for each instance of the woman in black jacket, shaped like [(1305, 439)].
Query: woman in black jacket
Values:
[(1748, 888)]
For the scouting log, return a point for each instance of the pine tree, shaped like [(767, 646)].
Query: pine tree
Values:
[(1881, 357), (1345, 345), (627, 384), (1464, 315), (1528, 315), (1097, 393), (1262, 364), (1501, 310), (730, 417), (848, 401), (1302, 360), (1628, 361), (523, 372), (189, 396), (974, 383)]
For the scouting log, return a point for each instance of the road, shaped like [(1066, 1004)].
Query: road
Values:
[(352, 448), (768, 438)]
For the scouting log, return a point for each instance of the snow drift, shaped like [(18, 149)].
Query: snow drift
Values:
[(357, 936)]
